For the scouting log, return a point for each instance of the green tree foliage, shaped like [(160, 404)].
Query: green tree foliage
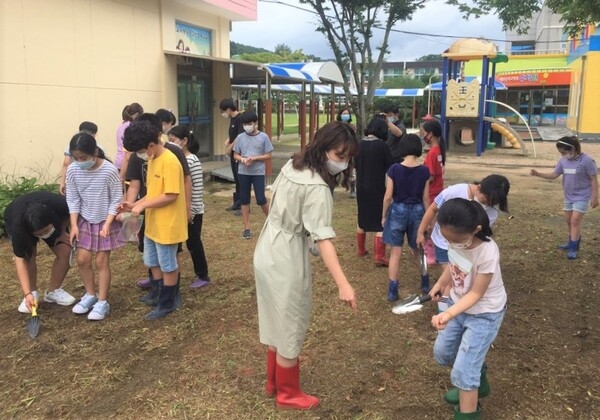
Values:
[(349, 26), (576, 13), (239, 49), (515, 14), (430, 57), (283, 56)]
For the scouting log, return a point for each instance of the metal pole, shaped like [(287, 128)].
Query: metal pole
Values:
[(429, 95)]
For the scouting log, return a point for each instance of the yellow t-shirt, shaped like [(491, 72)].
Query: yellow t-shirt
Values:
[(168, 224)]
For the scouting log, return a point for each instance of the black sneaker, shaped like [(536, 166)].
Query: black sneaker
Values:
[(247, 234)]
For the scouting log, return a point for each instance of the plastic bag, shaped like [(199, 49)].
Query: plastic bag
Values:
[(130, 228)]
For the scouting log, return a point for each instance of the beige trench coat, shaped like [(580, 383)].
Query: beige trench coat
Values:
[(301, 204)]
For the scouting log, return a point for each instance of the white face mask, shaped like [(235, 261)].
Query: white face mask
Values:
[(462, 245), (143, 156), (335, 168), (249, 128), (49, 234), (224, 114), (86, 164)]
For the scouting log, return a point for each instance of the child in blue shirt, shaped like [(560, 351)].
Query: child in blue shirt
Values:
[(251, 149)]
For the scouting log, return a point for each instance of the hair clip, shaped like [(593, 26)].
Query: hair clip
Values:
[(566, 144), (191, 132)]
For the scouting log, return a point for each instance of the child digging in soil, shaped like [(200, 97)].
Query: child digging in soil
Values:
[(580, 188), (477, 303)]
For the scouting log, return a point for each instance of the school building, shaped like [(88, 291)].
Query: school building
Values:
[(550, 79), (66, 61)]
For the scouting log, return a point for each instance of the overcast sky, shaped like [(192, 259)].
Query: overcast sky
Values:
[(282, 24)]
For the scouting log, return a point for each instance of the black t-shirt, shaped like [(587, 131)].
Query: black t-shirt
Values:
[(394, 142), (22, 239), (137, 169), (235, 129)]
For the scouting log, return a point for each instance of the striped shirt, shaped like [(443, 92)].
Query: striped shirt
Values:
[(197, 184), (94, 194)]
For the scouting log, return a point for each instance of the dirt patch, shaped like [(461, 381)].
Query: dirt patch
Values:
[(205, 361)]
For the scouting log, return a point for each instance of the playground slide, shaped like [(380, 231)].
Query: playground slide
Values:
[(508, 132)]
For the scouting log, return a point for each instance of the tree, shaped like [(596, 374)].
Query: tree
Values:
[(515, 14), (349, 26), (297, 56), (283, 49), (238, 49), (430, 57)]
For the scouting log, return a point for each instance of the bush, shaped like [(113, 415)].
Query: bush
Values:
[(14, 187)]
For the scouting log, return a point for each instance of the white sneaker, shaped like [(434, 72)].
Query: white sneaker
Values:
[(85, 304), (23, 306), (59, 296), (100, 310)]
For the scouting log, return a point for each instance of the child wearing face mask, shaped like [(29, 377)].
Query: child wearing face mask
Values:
[(183, 137), (94, 191), (435, 161), (477, 303), (491, 193), (251, 149), (580, 188)]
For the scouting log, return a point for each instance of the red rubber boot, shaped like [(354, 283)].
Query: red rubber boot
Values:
[(360, 240), (380, 258), (289, 395)]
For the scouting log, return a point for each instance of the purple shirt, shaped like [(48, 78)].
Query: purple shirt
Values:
[(577, 173), (120, 150)]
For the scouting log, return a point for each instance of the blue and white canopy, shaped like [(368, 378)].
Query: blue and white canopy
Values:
[(324, 72), (398, 92), (294, 88), (279, 72)]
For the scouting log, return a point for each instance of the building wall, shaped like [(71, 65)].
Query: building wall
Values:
[(520, 62), (219, 27), (73, 60), (77, 60), (584, 100)]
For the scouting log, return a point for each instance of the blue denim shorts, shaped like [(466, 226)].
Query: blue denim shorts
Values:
[(158, 255), (464, 343), (403, 219), (441, 255), (578, 206), (246, 183)]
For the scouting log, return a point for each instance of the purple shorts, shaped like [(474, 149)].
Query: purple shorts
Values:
[(90, 239)]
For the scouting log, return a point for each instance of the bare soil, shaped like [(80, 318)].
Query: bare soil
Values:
[(205, 361)]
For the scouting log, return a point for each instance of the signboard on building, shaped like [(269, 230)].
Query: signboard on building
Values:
[(535, 78), (192, 39)]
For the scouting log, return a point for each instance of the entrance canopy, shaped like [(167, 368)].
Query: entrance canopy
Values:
[(247, 72)]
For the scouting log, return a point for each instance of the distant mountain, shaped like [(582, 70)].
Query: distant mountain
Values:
[(238, 49)]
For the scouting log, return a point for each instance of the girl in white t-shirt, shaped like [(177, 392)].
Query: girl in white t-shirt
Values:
[(477, 303)]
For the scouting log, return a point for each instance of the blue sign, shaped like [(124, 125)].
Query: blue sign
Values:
[(192, 39)]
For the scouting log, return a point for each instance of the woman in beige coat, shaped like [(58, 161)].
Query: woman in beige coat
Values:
[(301, 204)]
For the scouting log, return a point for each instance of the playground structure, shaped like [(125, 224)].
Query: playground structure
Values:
[(467, 103)]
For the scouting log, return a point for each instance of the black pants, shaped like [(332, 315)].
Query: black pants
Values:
[(234, 170), (194, 245)]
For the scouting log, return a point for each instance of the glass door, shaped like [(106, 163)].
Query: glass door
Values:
[(194, 103)]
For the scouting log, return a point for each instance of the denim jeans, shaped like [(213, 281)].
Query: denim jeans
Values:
[(158, 255), (402, 219), (464, 343)]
